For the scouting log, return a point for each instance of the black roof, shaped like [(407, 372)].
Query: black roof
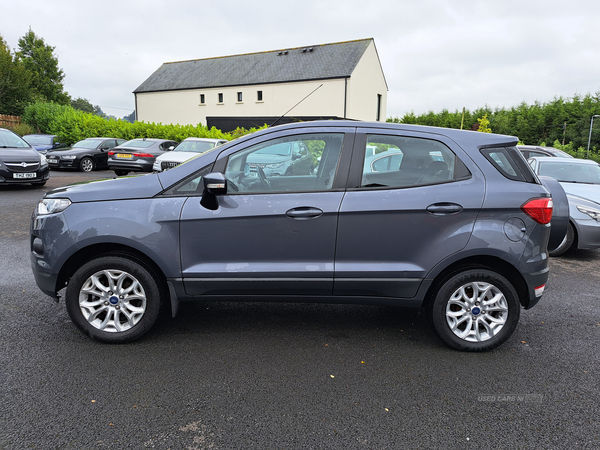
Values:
[(317, 62)]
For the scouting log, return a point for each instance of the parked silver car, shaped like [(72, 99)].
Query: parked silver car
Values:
[(580, 179)]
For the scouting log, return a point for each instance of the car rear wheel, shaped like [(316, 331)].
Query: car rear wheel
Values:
[(86, 164), (475, 310), (568, 243), (120, 173), (113, 299)]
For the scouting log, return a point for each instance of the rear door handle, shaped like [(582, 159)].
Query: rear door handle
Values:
[(304, 213), (444, 208)]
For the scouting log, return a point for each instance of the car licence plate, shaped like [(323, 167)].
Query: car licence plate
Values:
[(24, 175), (123, 155)]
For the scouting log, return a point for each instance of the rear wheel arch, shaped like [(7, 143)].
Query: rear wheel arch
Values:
[(491, 263)]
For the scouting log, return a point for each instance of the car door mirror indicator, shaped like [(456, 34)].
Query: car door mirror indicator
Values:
[(214, 184)]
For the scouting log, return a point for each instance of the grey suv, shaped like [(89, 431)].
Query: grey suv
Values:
[(458, 226)]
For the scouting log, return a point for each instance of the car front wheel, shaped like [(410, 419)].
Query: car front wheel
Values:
[(86, 165), (475, 310), (113, 299)]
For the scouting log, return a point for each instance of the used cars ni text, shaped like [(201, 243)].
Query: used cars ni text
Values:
[(137, 155), (86, 155), (580, 178), (467, 243), (19, 163)]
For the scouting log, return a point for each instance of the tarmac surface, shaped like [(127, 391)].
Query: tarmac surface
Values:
[(291, 376)]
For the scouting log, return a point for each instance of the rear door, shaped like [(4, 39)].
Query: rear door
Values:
[(398, 222)]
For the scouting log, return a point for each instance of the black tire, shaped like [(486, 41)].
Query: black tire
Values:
[(461, 318), (111, 316), (567, 244), (120, 173), (87, 164), (38, 183)]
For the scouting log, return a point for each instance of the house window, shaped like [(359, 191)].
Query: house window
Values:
[(202, 99), (220, 97), (239, 96), (259, 97), (378, 107)]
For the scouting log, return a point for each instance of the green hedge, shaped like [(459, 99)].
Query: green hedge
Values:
[(72, 125)]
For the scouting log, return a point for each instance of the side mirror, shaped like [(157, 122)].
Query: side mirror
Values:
[(214, 184)]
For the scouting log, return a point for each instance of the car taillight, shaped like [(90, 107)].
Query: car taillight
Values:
[(143, 155), (111, 153), (539, 209)]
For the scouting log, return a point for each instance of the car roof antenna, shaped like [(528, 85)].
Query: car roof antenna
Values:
[(295, 105)]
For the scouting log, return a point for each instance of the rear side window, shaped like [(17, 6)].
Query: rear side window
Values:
[(401, 161), (510, 163)]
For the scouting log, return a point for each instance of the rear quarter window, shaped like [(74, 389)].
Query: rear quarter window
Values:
[(510, 163)]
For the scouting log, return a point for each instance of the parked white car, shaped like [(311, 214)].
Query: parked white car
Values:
[(187, 149)]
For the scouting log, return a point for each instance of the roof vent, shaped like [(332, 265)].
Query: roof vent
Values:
[(285, 53), (280, 53), (304, 50), (310, 49)]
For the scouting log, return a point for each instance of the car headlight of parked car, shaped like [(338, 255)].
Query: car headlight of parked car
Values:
[(593, 213), (43, 161), (52, 205), (68, 157)]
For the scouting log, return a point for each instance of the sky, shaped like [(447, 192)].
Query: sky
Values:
[(435, 54)]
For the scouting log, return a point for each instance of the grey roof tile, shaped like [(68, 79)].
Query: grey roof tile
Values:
[(337, 60)]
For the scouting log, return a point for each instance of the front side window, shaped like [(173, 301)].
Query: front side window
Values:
[(397, 162), (299, 163)]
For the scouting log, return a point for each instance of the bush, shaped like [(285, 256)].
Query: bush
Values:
[(72, 125)]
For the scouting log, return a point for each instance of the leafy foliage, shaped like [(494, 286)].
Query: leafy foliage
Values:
[(72, 125), (562, 120), (15, 93), (39, 60)]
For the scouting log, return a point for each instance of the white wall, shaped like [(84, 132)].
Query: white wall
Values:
[(183, 107), (366, 82)]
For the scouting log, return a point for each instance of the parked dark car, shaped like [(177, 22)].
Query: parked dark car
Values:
[(530, 151), (43, 142), (286, 158), (467, 243), (580, 178), (137, 155), (19, 162), (87, 155)]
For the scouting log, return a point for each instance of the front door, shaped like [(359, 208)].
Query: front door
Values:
[(271, 235)]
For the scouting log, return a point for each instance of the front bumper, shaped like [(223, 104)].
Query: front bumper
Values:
[(588, 234), (7, 177)]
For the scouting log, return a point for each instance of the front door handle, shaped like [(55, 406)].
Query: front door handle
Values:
[(444, 208), (304, 213)]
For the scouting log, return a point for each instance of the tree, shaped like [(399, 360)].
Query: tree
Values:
[(83, 104), (484, 124), (15, 93), (130, 118), (46, 77)]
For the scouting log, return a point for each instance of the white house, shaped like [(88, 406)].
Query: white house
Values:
[(343, 80)]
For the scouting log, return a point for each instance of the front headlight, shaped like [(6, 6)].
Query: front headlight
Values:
[(593, 213), (68, 157), (52, 205), (43, 161)]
